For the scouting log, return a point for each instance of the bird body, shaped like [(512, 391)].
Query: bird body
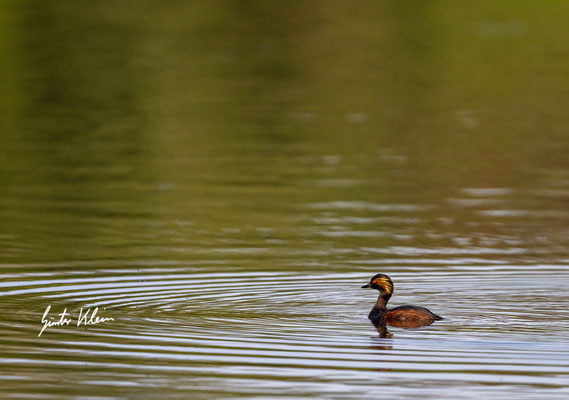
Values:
[(403, 316)]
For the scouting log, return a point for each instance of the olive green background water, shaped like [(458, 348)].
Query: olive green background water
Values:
[(221, 177)]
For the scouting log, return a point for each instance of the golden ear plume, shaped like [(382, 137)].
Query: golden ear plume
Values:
[(385, 284)]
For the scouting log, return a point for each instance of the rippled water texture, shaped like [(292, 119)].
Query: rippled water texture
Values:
[(221, 178)]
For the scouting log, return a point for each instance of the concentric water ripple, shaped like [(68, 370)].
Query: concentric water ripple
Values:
[(254, 332)]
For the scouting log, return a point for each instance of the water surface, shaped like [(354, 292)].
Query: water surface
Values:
[(222, 177)]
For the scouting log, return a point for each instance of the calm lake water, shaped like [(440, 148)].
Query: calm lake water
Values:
[(222, 177)]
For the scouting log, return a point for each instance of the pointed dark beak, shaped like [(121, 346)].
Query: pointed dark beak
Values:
[(367, 285)]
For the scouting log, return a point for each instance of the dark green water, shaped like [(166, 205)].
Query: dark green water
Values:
[(221, 177)]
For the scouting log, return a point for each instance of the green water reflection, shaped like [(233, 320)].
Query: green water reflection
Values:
[(216, 115)]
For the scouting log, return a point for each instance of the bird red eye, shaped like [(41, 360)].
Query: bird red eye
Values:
[(373, 281)]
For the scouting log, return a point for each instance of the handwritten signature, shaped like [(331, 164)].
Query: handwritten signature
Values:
[(89, 317)]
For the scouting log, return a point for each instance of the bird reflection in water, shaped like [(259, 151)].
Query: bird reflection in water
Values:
[(381, 325), (381, 344)]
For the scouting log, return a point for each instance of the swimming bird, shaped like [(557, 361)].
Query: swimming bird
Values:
[(402, 316)]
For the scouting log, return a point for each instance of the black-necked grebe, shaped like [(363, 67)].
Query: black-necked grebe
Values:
[(402, 316)]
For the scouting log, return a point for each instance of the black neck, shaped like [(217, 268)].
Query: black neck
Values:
[(380, 306)]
